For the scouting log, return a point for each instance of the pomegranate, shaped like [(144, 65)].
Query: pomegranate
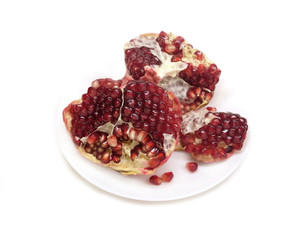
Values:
[(212, 136), (130, 127), (172, 63)]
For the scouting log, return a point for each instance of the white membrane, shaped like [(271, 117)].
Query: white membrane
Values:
[(194, 120)]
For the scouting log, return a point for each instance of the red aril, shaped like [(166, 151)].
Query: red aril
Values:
[(192, 166), (167, 177), (154, 179)]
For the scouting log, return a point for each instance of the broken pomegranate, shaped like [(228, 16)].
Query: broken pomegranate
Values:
[(130, 127), (212, 136), (172, 63)]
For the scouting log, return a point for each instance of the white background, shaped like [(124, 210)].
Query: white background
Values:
[(260, 47)]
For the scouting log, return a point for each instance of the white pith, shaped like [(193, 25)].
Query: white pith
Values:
[(177, 86), (194, 120)]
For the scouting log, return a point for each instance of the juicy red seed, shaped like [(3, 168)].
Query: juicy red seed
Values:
[(238, 139), (215, 121), (86, 98), (177, 41), (167, 177), (192, 166), (129, 94), (145, 126), (226, 123), (154, 179), (116, 159), (92, 138), (116, 93), (229, 149), (188, 139), (154, 163), (134, 117), (91, 92), (199, 55), (105, 157), (190, 148), (201, 133), (210, 130)]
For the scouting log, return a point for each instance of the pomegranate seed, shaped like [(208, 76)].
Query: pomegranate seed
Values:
[(115, 159), (105, 157), (153, 152), (199, 55), (167, 177), (192, 166), (92, 138), (148, 146), (154, 179), (154, 163)]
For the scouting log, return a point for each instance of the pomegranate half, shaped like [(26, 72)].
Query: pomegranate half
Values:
[(130, 127), (212, 136), (172, 63)]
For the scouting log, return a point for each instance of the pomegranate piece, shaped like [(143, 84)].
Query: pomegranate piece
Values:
[(212, 136), (154, 179), (121, 125), (167, 177), (192, 166), (172, 63)]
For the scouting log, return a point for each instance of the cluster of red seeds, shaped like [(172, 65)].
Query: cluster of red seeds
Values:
[(201, 76), (198, 76), (166, 177), (103, 148), (150, 108), (137, 58), (151, 148), (198, 95), (101, 104), (227, 128), (168, 46)]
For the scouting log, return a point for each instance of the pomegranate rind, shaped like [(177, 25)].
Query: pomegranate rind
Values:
[(125, 166)]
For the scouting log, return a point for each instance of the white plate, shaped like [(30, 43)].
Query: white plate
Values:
[(184, 183)]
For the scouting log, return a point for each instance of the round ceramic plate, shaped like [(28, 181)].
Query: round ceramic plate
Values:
[(184, 183)]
